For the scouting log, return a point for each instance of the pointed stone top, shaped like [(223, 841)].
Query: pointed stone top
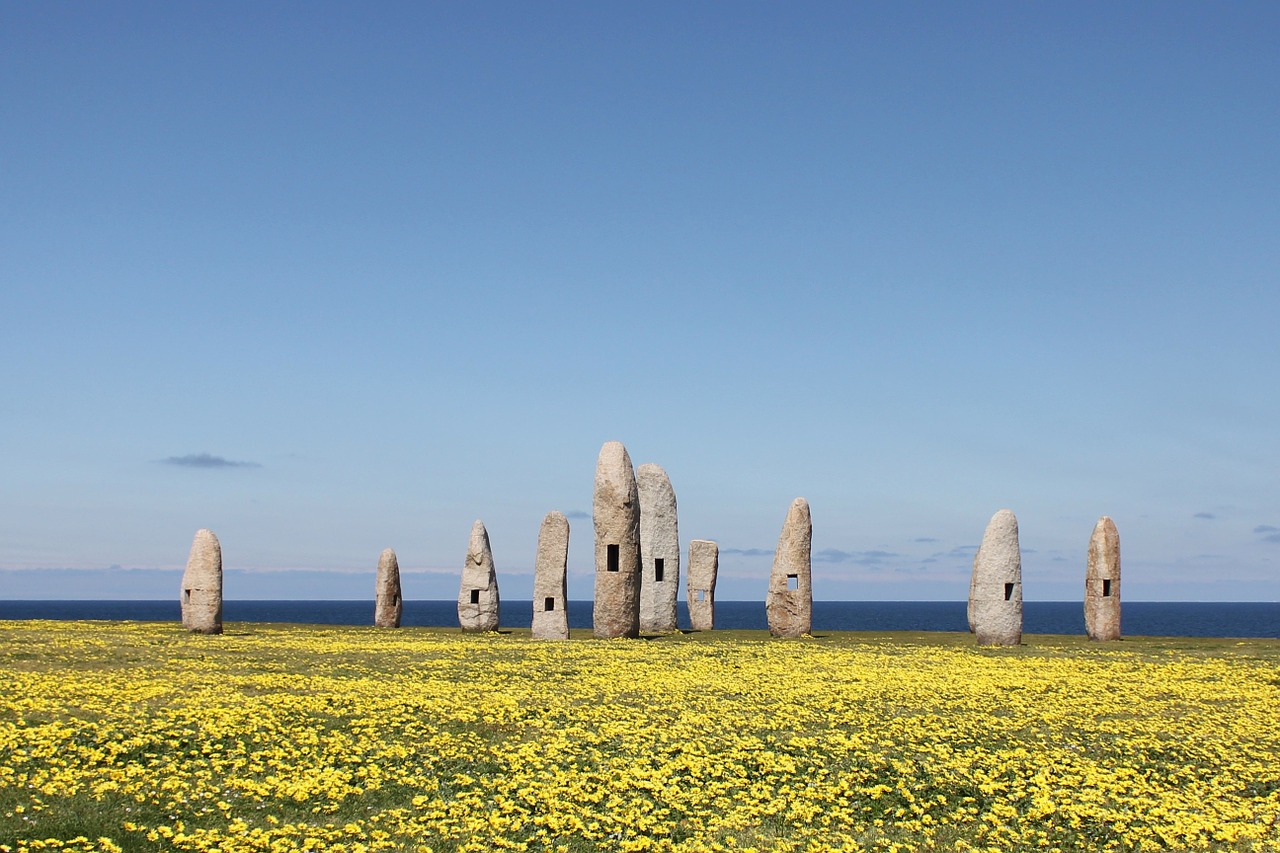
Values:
[(614, 458), (799, 509), (204, 534), (1004, 517), (387, 557), (479, 542)]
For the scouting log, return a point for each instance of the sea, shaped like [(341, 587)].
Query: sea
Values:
[(1140, 618)]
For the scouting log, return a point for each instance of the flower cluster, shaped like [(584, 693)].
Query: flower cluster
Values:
[(126, 736)]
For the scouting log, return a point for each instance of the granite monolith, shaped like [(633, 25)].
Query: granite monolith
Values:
[(388, 606), (616, 513), (704, 564), (550, 592), (1102, 582), (789, 603), (201, 595), (478, 598), (659, 550), (995, 590)]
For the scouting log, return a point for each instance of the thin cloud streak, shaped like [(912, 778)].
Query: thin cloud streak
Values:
[(206, 460)]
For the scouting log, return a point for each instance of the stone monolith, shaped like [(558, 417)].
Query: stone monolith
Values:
[(789, 604), (1102, 582), (659, 551), (478, 598), (704, 563), (550, 592), (388, 606), (201, 595), (616, 513), (995, 591)]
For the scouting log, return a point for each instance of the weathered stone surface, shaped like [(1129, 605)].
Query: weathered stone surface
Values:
[(550, 592), (1102, 582), (616, 513), (995, 591), (201, 594), (387, 603), (478, 598), (704, 564), (789, 604), (659, 550)]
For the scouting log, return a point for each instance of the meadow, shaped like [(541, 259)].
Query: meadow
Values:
[(139, 737)]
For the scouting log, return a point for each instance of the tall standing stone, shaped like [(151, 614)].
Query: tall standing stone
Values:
[(789, 604), (1102, 582), (201, 595), (704, 564), (659, 550), (388, 606), (995, 591), (550, 592), (478, 598), (616, 513)]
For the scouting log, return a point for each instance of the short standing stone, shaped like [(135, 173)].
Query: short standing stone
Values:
[(478, 598), (1102, 582), (388, 605), (789, 604), (616, 513), (996, 588), (201, 595), (704, 563), (659, 551), (550, 593)]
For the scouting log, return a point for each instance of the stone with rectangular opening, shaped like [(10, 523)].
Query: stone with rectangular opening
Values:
[(612, 559), (793, 582), (548, 604), (699, 595), (659, 569), (1106, 587), (475, 596), (1008, 592)]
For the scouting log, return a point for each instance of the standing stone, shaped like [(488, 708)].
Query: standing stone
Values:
[(996, 587), (789, 604), (704, 563), (659, 551), (478, 598), (388, 607), (1102, 582), (616, 512), (201, 595), (550, 592)]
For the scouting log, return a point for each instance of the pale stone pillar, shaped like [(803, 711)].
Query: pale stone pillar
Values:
[(1102, 582), (201, 594), (789, 603), (995, 591), (478, 598), (616, 513), (659, 551), (388, 606), (550, 590), (704, 564)]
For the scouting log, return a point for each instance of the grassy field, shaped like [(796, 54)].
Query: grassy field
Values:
[(137, 736)]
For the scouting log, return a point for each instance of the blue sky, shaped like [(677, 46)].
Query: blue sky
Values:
[(329, 278)]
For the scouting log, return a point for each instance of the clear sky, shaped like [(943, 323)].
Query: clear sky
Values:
[(333, 277)]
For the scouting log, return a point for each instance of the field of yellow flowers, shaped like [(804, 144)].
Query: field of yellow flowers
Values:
[(136, 736)]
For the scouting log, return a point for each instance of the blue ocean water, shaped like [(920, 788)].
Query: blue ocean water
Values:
[(1140, 618)]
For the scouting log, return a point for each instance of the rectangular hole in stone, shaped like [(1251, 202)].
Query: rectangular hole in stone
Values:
[(395, 601), (1106, 586), (475, 596), (659, 568), (1008, 592), (612, 563), (186, 596), (793, 581), (548, 604), (699, 595)]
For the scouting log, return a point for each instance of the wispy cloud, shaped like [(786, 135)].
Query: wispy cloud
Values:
[(206, 460), (1205, 515), (1274, 537), (1266, 528), (925, 539), (746, 552), (577, 514), (860, 558)]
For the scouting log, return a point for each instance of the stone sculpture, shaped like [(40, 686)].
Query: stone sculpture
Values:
[(616, 513), (388, 606), (478, 598), (659, 551), (789, 604), (550, 593), (201, 596), (1102, 582), (704, 563), (995, 589)]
